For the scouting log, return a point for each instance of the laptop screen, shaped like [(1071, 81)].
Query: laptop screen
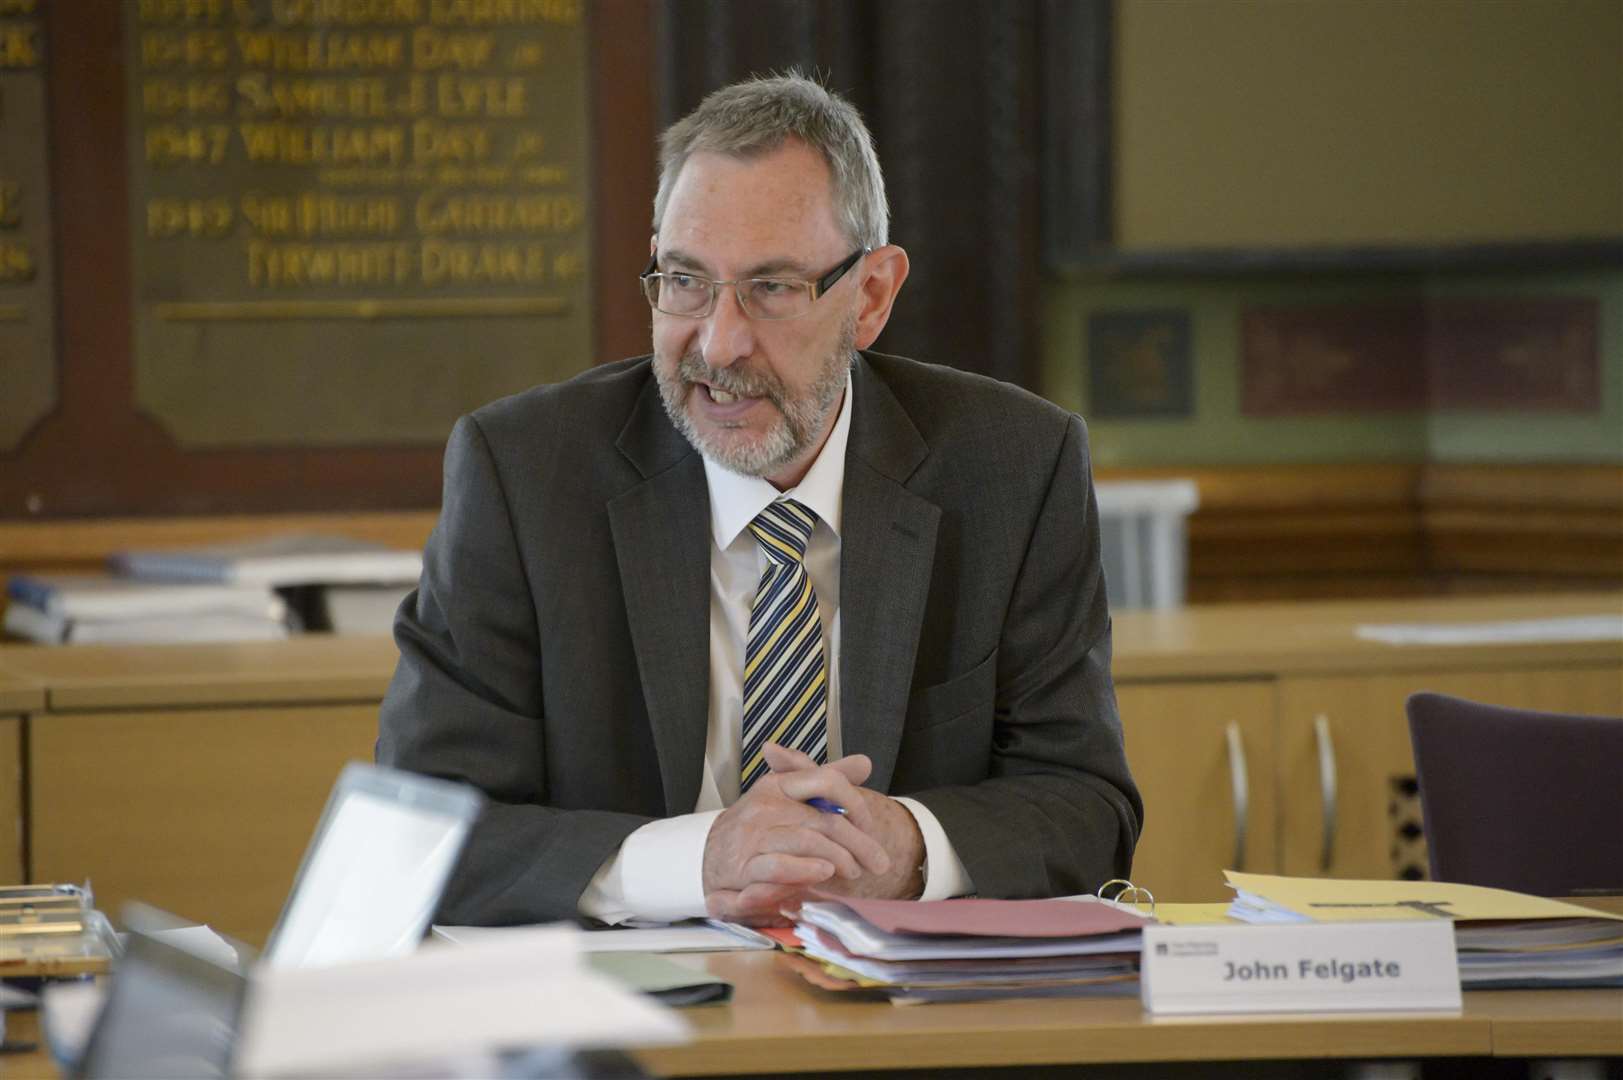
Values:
[(375, 868), (171, 1012)]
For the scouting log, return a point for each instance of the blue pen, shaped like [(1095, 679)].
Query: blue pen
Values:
[(824, 805)]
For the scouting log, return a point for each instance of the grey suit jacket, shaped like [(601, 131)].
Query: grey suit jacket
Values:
[(556, 652)]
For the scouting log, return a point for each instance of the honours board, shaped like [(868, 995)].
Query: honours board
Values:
[(352, 221), (27, 307)]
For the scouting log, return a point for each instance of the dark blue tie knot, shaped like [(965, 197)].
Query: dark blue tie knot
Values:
[(783, 529)]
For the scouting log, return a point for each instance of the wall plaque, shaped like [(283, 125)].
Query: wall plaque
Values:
[(1500, 353), (1138, 365), (27, 302), (1515, 353), (353, 220), (1318, 358)]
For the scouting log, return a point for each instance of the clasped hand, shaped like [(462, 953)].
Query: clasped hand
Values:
[(768, 848)]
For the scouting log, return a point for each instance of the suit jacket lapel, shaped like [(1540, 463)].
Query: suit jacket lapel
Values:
[(661, 531), (886, 555)]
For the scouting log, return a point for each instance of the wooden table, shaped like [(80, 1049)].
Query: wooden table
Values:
[(309, 669), (777, 1023), (1319, 637)]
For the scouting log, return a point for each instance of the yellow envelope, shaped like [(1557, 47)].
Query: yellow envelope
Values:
[(1194, 915), (1331, 900)]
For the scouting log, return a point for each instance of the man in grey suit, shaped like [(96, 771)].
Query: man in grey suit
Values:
[(765, 612)]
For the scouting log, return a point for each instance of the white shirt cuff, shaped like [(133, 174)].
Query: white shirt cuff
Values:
[(657, 874), (944, 873)]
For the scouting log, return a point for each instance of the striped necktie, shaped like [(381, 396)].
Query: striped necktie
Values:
[(785, 681)]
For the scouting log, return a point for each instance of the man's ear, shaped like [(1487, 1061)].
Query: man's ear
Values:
[(653, 245), (884, 271)]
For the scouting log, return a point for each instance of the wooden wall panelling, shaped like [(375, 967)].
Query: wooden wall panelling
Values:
[(1559, 523), (1298, 532), (1318, 531)]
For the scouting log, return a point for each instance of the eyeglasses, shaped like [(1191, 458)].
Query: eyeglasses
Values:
[(694, 297)]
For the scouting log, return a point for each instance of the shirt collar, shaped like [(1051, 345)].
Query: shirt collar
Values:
[(735, 500)]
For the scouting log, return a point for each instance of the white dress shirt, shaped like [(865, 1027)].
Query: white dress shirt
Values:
[(657, 873)]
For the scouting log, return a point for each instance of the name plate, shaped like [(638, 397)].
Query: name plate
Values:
[(1303, 967)]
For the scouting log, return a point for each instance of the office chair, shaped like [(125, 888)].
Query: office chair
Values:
[(1516, 799)]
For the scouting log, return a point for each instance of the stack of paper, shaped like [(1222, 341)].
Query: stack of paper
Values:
[(1505, 939), (360, 609), (87, 610), (334, 583), (950, 950), (277, 561)]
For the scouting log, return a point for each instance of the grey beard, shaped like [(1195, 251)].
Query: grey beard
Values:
[(801, 419)]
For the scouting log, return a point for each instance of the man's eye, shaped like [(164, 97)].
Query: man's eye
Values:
[(683, 281), (768, 287)]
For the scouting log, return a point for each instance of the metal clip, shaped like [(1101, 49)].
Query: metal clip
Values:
[(1127, 894)]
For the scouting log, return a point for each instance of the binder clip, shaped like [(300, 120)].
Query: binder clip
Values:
[(1127, 893)]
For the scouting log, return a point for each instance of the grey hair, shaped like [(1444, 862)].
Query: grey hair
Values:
[(752, 118)]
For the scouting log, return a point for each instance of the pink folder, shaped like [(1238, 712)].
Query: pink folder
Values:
[(994, 918)]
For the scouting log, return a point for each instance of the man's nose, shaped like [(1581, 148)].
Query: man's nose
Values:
[(728, 335)]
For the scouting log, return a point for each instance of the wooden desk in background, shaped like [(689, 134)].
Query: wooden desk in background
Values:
[(192, 776), (1270, 738), (19, 696)]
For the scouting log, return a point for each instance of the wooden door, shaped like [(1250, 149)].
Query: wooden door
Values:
[(1202, 754), (1348, 807), (11, 801), (204, 813)]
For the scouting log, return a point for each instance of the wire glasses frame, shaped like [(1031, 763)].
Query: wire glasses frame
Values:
[(693, 296)]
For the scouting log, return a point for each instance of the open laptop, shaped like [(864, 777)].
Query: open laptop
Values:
[(375, 868), (366, 889), (173, 1009), (178, 1004)]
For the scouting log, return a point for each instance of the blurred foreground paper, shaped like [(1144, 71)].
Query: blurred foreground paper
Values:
[(528, 989)]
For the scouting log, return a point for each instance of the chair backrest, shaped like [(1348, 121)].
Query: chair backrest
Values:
[(1516, 799)]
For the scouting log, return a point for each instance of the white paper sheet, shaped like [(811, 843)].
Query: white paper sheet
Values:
[(1575, 628), (682, 937), (527, 988), (201, 941)]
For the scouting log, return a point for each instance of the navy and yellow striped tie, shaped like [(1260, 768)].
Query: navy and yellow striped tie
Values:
[(785, 679)]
